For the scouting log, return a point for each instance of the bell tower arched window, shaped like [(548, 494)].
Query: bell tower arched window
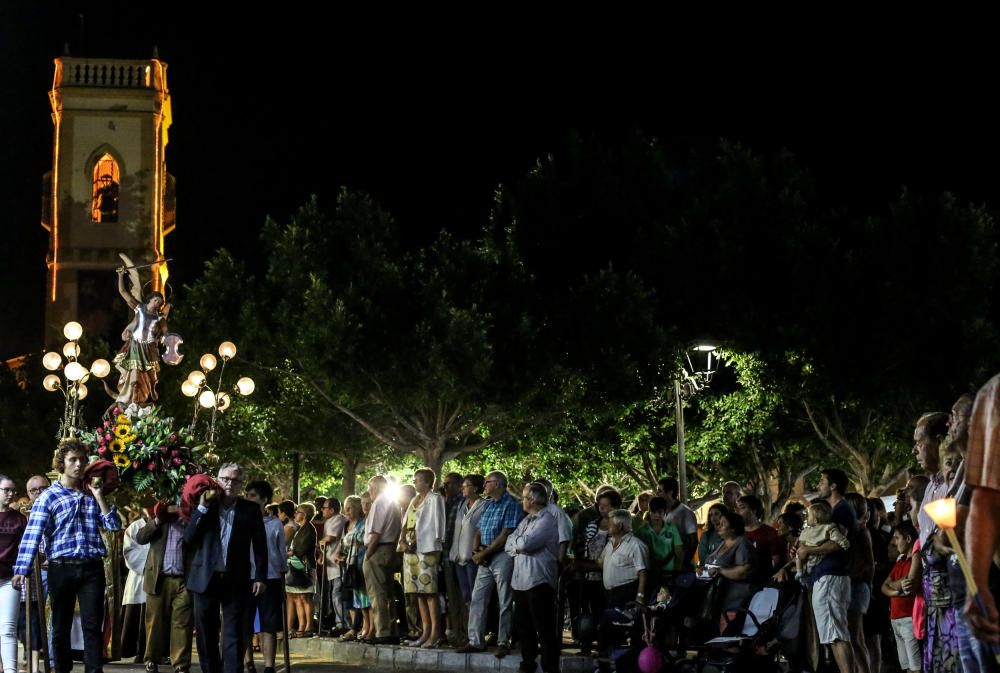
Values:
[(104, 206)]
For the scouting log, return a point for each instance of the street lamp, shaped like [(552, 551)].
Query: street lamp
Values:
[(690, 380), (198, 387), (75, 374)]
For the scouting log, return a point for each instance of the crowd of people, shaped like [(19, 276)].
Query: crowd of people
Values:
[(467, 564)]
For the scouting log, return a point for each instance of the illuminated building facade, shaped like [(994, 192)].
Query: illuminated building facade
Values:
[(108, 190)]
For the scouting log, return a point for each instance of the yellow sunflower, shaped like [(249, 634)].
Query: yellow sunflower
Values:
[(121, 460), (117, 446), (122, 431), (123, 420)]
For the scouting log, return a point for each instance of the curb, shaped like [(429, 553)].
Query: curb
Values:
[(400, 658)]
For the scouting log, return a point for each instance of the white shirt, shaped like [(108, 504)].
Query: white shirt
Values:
[(333, 527), (563, 522), (621, 565), (683, 517), (135, 559)]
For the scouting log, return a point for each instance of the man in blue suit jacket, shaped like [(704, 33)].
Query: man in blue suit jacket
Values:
[(220, 534)]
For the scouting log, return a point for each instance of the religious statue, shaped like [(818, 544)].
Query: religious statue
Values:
[(138, 361)]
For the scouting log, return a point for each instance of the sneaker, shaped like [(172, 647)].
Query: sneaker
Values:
[(502, 651), (151, 667)]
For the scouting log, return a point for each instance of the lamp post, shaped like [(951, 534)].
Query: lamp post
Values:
[(74, 376), (690, 380), (197, 386)]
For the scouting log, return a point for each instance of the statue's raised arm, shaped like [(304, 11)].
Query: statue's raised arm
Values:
[(138, 361)]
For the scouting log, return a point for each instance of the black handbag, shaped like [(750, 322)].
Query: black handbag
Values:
[(297, 578), (713, 593), (353, 578)]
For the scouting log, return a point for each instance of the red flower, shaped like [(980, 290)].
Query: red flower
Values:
[(177, 461), (174, 453)]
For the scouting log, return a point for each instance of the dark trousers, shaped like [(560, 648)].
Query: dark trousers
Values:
[(233, 597), (67, 585), (535, 616), (609, 635)]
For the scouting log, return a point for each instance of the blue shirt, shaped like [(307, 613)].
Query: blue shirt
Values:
[(68, 521), (497, 515)]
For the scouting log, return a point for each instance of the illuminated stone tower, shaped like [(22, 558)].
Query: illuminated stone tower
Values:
[(108, 190)]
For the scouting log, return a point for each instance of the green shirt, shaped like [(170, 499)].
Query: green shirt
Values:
[(661, 545)]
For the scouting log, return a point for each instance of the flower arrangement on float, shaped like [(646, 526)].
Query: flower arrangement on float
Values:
[(151, 454)]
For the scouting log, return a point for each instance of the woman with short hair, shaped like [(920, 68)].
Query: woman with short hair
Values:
[(733, 563), (302, 557), (421, 543)]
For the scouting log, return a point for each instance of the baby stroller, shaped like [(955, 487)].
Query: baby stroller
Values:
[(771, 621)]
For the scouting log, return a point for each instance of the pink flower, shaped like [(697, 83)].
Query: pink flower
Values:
[(102, 451), (135, 464), (107, 437), (151, 466), (174, 453), (177, 461), (107, 424), (138, 442)]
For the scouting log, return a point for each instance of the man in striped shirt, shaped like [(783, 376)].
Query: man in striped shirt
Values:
[(69, 520)]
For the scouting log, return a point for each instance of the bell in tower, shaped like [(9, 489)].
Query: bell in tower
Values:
[(108, 191)]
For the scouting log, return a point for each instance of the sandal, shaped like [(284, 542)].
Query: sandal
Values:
[(349, 636)]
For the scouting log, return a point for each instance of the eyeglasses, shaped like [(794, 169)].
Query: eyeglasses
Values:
[(12, 491), (37, 489)]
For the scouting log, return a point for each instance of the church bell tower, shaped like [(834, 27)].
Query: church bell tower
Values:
[(108, 190)]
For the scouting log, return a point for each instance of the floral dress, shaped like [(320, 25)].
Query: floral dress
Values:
[(354, 552)]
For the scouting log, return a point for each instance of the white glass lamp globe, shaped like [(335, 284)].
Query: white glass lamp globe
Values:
[(73, 330)]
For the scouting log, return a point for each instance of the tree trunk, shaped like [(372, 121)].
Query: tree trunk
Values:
[(350, 469), (434, 459)]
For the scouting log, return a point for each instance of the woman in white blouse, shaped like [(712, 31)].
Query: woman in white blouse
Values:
[(421, 543)]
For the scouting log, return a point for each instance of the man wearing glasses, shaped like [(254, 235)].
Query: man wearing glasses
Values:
[(221, 533)]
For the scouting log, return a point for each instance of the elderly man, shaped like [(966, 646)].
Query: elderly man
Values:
[(501, 514), (624, 563), (382, 528), (169, 621), (220, 534), (534, 546), (35, 487)]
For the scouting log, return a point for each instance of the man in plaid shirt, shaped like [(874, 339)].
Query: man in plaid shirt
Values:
[(69, 520), (500, 517)]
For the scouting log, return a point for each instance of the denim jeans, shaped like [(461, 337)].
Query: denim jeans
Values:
[(498, 573), (10, 602)]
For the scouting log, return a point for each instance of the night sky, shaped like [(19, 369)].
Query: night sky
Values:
[(430, 117)]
